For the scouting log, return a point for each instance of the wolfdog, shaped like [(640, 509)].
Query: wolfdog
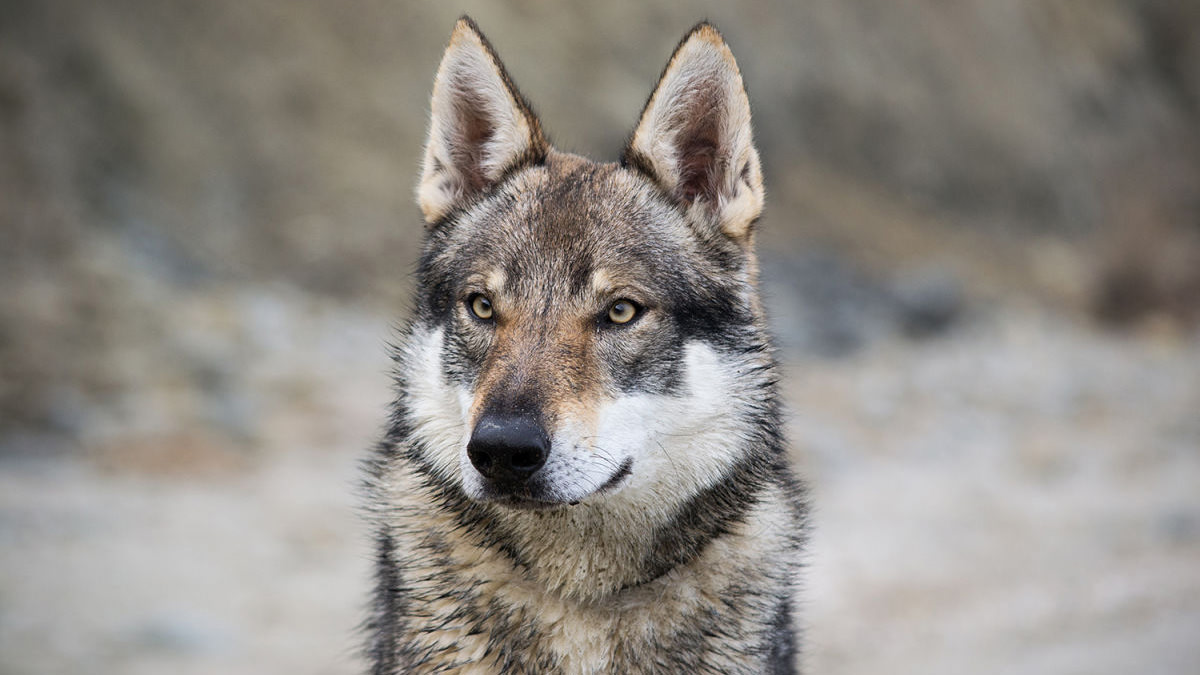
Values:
[(583, 470)]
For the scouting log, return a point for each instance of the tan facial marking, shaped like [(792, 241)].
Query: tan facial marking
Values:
[(495, 280), (549, 355), (602, 282), (580, 383)]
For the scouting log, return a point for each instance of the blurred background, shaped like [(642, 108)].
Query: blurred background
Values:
[(981, 255)]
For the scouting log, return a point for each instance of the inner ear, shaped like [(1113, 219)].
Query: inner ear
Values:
[(699, 152), (474, 131)]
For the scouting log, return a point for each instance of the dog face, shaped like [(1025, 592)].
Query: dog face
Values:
[(584, 328)]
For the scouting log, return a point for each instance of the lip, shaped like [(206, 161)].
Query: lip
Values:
[(525, 501), (621, 474), (522, 504)]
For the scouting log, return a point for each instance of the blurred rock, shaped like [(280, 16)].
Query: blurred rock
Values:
[(1148, 267), (821, 304), (928, 302), (186, 634), (1180, 527)]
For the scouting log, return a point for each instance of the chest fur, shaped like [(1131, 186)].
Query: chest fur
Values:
[(466, 599), (480, 613)]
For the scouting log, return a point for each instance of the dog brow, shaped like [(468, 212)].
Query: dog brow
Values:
[(602, 281), (495, 279)]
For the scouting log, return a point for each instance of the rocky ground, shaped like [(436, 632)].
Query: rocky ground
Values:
[(1017, 498)]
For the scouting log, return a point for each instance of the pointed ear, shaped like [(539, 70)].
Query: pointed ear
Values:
[(694, 138), (480, 128)]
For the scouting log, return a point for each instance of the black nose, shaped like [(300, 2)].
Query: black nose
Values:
[(508, 449)]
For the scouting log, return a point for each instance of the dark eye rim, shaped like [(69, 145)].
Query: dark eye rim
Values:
[(638, 311), (469, 302)]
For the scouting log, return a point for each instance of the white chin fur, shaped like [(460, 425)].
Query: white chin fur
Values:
[(678, 445)]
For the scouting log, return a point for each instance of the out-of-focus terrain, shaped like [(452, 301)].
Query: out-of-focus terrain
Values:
[(981, 255)]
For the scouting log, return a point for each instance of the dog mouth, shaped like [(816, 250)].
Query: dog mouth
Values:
[(527, 504), (617, 478), (535, 496)]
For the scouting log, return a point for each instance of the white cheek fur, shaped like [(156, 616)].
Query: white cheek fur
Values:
[(435, 407), (679, 444)]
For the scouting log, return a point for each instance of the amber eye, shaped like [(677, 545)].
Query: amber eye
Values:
[(481, 307), (622, 311)]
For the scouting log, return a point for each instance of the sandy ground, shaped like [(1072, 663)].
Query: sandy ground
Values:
[(1019, 496)]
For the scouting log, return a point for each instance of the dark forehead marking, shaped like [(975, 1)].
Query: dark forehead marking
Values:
[(548, 228), (575, 218)]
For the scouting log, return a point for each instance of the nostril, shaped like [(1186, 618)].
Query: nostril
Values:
[(528, 460), (480, 458)]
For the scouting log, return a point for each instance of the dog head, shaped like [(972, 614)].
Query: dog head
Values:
[(584, 329)]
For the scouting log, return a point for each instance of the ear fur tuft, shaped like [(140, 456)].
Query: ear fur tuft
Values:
[(480, 128)]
